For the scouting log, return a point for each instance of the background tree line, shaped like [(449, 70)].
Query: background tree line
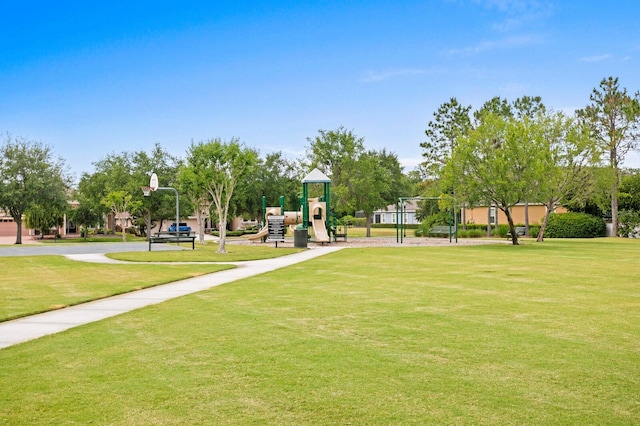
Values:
[(217, 180), (502, 153), (507, 153)]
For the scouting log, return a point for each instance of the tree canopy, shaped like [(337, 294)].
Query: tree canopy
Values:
[(492, 163), (613, 117), (31, 178), (220, 166)]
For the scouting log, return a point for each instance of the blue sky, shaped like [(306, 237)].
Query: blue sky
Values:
[(94, 78)]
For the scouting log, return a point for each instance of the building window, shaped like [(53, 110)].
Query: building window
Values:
[(492, 215)]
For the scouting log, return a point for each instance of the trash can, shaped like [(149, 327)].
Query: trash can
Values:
[(300, 237)]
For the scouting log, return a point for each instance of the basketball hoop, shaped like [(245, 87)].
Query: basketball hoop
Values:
[(146, 190)]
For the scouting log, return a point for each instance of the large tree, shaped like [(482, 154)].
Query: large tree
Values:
[(528, 108), (162, 204), (360, 180), (562, 165), (30, 176), (335, 153), (122, 175), (449, 122), (614, 119), (274, 176), (496, 106), (492, 163), (220, 166), (121, 204), (193, 185)]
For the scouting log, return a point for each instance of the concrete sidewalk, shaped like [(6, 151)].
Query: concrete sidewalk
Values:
[(33, 327)]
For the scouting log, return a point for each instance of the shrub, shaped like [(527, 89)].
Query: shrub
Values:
[(575, 225), (628, 223), (346, 220), (471, 233)]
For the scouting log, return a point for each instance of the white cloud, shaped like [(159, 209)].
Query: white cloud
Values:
[(504, 43), (529, 7), (518, 13), (410, 163), (598, 58), (376, 76)]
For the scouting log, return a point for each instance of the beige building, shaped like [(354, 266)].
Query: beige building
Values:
[(484, 215)]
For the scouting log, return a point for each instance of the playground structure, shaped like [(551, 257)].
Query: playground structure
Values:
[(313, 211)]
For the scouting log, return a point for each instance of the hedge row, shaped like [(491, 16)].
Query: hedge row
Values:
[(575, 225)]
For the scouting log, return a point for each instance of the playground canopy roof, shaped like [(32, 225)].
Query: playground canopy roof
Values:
[(316, 176)]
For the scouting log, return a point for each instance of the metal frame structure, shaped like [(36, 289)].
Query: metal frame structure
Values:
[(400, 229)]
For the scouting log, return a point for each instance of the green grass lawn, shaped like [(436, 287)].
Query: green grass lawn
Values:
[(534, 334), (33, 284), (207, 253), (30, 285), (375, 232)]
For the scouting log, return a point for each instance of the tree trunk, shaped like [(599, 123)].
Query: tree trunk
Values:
[(489, 221), (222, 229), (123, 227), (543, 227), (368, 224), (526, 218), (201, 220), (464, 215), (19, 226), (512, 228), (613, 159), (614, 206)]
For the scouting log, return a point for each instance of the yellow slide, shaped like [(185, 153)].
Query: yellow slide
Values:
[(320, 231), (262, 233)]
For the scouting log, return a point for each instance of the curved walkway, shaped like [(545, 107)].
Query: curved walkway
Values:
[(33, 327)]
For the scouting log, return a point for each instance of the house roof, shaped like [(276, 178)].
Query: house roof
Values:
[(316, 176), (409, 207)]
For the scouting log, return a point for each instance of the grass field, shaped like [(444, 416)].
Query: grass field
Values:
[(34, 284), (207, 253), (535, 334), (30, 285)]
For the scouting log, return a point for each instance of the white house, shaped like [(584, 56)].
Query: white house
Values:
[(388, 214)]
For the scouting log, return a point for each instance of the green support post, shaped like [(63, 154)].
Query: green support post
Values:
[(305, 205)]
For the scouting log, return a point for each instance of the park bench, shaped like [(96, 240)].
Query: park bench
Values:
[(520, 231), (171, 237), (440, 230), (340, 232)]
